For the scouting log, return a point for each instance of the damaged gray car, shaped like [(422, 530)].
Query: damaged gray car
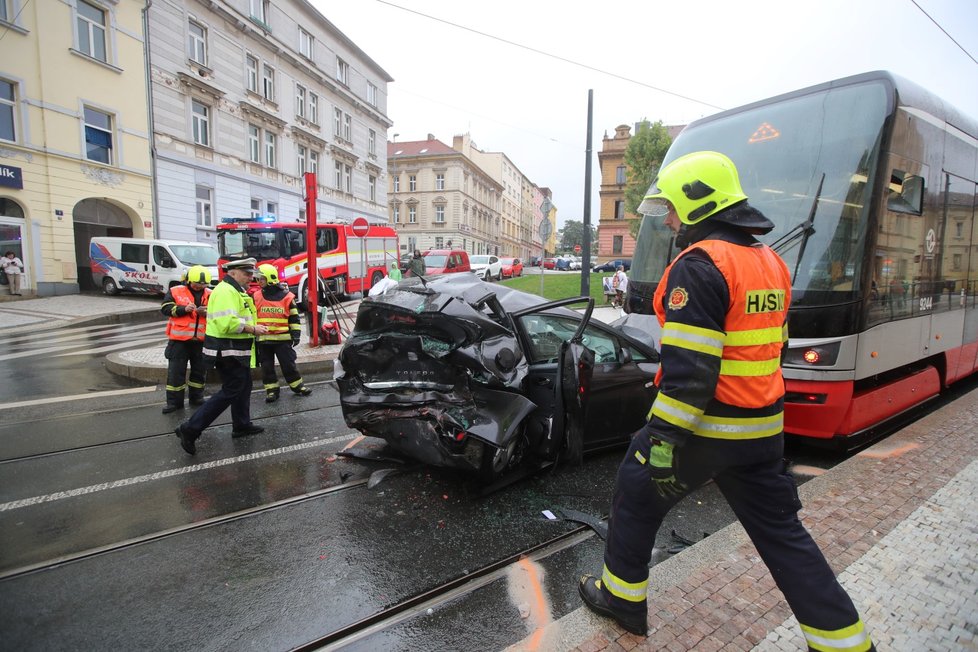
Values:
[(455, 372)]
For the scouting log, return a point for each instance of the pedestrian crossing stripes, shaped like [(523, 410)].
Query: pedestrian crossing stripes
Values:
[(82, 340)]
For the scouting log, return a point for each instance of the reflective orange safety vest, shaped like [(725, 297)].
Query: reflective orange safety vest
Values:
[(190, 326), (750, 350), (275, 315)]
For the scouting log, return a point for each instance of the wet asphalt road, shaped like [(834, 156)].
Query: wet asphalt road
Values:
[(264, 542)]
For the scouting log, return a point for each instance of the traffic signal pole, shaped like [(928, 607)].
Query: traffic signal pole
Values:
[(312, 262)]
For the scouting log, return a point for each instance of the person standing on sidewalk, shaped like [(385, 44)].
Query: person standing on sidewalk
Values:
[(277, 311), (416, 266), (13, 267), (229, 344), (719, 412), (186, 309)]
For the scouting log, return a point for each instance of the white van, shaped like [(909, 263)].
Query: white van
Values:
[(146, 266)]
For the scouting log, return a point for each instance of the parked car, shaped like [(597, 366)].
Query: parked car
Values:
[(612, 265), (563, 264), (549, 263), (512, 267), (446, 261), (464, 374), (486, 267), (146, 266), (535, 261), (575, 263), (404, 261)]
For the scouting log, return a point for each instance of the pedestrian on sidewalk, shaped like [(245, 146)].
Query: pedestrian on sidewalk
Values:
[(186, 308), (278, 312), (416, 266), (13, 267), (229, 345), (620, 284), (719, 411), (395, 273)]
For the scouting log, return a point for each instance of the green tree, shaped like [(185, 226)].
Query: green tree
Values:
[(643, 156), (573, 234)]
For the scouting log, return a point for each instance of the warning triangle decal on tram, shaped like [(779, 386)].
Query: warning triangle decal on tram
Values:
[(764, 132)]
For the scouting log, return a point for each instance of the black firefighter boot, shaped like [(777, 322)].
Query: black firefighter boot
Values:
[(271, 395), (302, 390), (197, 399), (174, 402), (596, 600)]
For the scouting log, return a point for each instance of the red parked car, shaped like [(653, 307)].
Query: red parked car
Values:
[(549, 263), (512, 267)]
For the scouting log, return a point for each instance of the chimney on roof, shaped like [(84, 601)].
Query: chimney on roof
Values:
[(431, 136)]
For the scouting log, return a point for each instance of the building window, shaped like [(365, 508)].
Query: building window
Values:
[(268, 82), (342, 72), (305, 43), (371, 94), (98, 136), (620, 175), (271, 209), (440, 214), (412, 182), (439, 181), (4, 14), (617, 244), (269, 149), (348, 178), (312, 115), (372, 188), (959, 229), (254, 144), (201, 123), (372, 142), (259, 10), (8, 102), (619, 209), (300, 156), (198, 43), (204, 206), (313, 162), (439, 242), (397, 183), (348, 127), (255, 208), (91, 30), (251, 65), (337, 122), (397, 214), (956, 262), (413, 214), (300, 101)]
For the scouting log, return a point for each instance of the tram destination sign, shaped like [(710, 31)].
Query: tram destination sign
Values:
[(11, 177)]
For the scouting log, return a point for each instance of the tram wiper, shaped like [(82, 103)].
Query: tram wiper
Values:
[(803, 231)]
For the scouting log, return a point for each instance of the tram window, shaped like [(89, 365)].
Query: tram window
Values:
[(906, 193)]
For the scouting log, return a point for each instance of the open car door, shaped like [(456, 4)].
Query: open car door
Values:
[(570, 387)]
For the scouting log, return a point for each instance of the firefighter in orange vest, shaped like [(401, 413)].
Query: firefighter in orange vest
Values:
[(719, 413), (278, 311), (186, 307)]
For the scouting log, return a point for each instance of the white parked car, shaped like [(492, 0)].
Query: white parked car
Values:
[(486, 267)]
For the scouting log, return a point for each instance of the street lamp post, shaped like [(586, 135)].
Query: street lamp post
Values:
[(396, 209), (546, 228)]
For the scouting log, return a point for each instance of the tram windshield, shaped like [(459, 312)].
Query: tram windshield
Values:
[(808, 164)]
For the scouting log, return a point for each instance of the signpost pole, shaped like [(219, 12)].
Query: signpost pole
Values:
[(546, 228), (360, 228), (312, 262)]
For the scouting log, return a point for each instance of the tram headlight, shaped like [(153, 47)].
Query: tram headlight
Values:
[(815, 355)]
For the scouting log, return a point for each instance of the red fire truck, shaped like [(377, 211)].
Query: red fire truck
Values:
[(346, 262)]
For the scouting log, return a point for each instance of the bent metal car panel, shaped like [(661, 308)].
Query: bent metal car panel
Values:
[(459, 373)]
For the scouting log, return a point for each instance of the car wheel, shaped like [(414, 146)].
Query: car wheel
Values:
[(497, 462), (488, 277), (376, 278), (109, 287)]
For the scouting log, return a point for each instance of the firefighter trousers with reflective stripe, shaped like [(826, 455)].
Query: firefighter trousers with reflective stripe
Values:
[(178, 353), (267, 353), (752, 476), (235, 392)]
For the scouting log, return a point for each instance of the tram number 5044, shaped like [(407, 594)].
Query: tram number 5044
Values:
[(926, 303)]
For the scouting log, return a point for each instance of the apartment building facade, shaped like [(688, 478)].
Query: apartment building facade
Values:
[(247, 96), (440, 198), (74, 134)]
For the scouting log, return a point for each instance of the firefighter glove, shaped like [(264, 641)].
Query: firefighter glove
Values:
[(295, 342), (662, 466)]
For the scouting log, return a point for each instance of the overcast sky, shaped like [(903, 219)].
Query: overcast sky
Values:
[(670, 61)]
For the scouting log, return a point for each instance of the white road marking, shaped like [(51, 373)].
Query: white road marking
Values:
[(128, 482), (78, 332), (77, 397), (131, 344)]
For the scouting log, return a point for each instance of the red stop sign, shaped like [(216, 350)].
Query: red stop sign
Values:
[(577, 249), (360, 227)]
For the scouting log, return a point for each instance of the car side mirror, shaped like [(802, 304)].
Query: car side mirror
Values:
[(626, 356)]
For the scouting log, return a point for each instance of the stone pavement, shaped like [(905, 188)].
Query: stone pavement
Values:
[(898, 522)]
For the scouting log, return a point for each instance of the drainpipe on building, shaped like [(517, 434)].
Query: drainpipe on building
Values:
[(152, 123)]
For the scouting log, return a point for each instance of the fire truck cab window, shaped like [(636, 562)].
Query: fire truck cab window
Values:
[(327, 239), (295, 242)]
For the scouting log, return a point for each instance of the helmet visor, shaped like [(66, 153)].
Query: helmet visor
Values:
[(655, 206)]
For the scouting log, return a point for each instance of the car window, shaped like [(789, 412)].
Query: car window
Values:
[(547, 332)]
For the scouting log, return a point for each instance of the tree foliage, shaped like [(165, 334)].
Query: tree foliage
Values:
[(643, 156), (572, 234)]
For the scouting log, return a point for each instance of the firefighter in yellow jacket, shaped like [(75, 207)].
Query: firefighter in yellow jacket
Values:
[(277, 311), (719, 413), (186, 308)]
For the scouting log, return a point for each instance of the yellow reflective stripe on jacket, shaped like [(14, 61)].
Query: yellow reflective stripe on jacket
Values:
[(694, 338), (676, 412), (750, 367), (848, 639), (714, 427), (631, 591), (756, 337)]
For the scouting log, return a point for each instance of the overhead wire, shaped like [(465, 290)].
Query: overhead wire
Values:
[(968, 54)]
